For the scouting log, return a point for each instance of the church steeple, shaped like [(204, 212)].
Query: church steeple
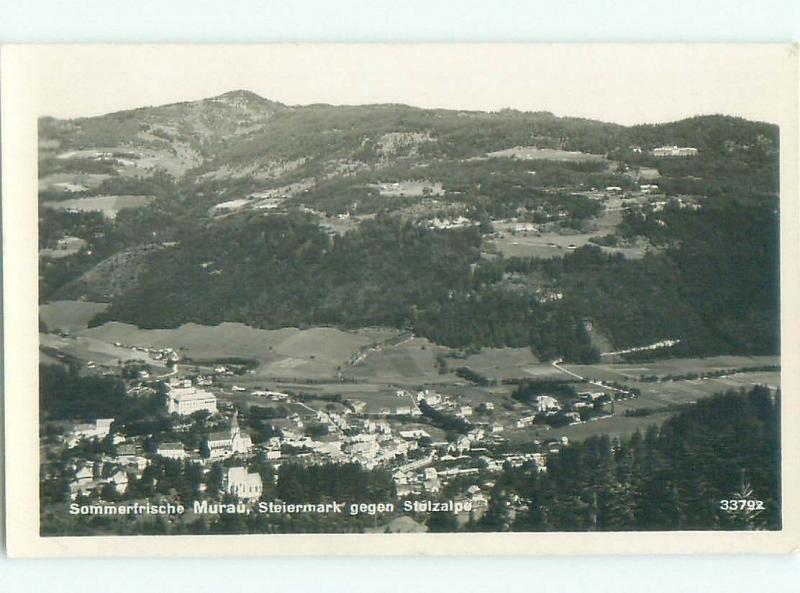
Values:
[(235, 423)]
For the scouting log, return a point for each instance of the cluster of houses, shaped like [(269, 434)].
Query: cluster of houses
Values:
[(450, 223), (95, 476), (419, 463), (680, 202), (130, 459), (116, 472), (109, 471), (167, 355)]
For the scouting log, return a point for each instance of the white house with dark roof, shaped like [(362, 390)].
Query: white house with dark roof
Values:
[(99, 429), (171, 450), (244, 485)]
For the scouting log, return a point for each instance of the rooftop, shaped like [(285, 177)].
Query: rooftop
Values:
[(189, 393)]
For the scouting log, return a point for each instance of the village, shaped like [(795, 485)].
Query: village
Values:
[(433, 444)]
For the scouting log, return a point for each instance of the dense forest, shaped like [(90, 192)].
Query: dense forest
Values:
[(716, 295), (338, 482), (66, 394)]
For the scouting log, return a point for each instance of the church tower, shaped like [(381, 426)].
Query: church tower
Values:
[(240, 440), (235, 424)]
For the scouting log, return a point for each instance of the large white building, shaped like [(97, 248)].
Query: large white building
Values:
[(246, 486), (663, 151), (186, 399)]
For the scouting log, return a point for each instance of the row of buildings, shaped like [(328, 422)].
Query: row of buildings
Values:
[(418, 462)]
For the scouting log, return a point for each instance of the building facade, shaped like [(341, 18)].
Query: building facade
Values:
[(185, 400), (230, 442), (243, 485)]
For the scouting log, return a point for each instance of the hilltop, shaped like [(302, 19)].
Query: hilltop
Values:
[(241, 135)]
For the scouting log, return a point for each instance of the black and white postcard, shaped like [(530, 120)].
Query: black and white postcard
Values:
[(399, 299)]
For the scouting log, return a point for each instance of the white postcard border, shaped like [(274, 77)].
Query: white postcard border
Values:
[(20, 264)]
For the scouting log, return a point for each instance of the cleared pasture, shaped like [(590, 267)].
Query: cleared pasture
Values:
[(617, 426), (377, 401), (284, 353), (670, 366), (99, 351), (69, 315), (531, 153), (413, 361), (108, 205), (58, 181), (498, 363), (548, 244)]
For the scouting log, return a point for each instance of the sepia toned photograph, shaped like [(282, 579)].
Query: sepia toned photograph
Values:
[(273, 304)]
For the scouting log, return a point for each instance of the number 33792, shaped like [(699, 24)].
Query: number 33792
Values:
[(736, 504)]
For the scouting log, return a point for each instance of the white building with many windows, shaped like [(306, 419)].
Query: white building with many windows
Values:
[(663, 151), (185, 400)]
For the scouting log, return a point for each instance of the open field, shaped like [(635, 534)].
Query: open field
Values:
[(129, 162), (64, 247), (655, 395), (108, 205), (340, 226), (531, 153), (239, 340), (382, 400), (498, 363), (557, 243), (72, 181), (616, 426), (87, 348), (644, 174), (309, 361), (285, 353), (411, 361), (669, 366), (661, 397), (69, 315), (231, 204), (246, 400)]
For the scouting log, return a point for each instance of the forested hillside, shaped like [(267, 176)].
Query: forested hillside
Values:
[(284, 271), (277, 215)]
